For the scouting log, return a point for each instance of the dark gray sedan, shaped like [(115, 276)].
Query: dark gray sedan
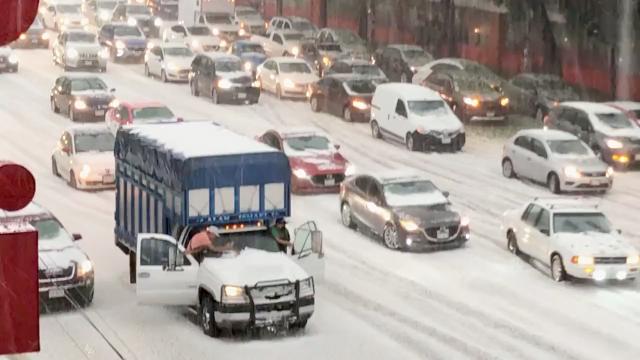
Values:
[(536, 94)]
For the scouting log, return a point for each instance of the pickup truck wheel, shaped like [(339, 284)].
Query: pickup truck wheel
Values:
[(207, 317), (345, 215), (558, 273), (375, 130), (411, 144)]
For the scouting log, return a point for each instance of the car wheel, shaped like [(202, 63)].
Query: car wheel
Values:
[(207, 317), (507, 169), (214, 97), (410, 142), (347, 114), (278, 92), (512, 243), (146, 70), (553, 183), (390, 237), (375, 130), (54, 107), (558, 273), (539, 115), (194, 88), (345, 215), (72, 180), (163, 76), (403, 78), (54, 167), (315, 104)]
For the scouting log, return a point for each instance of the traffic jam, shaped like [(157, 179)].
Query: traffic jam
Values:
[(245, 164)]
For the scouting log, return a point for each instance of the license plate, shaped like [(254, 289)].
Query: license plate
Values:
[(99, 112), (88, 62), (242, 96), (443, 233), (446, 140), (108, 179), (491, 113), (329, 182), (56, 293)]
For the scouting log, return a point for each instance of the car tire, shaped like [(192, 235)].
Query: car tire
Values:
[(553, 183), (54, 167), (346, 114), (214, 97), (207, 316), (299, 326), (375, 130), (315, 104), (54, 106), (512, 243), (146, 70), (403, 77), (558, 272), (194, 88), (72, 180), (278, 92), (103, 69), (410, 142), (163, 76), (507, 169), (390, 237), (346, 216)]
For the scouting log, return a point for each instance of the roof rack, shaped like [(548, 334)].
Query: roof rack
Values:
[(572, 202)]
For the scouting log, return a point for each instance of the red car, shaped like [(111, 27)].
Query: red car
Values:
[(125, 113), (316, 164)]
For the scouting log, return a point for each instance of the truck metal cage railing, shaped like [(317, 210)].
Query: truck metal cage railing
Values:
[(275, 295)]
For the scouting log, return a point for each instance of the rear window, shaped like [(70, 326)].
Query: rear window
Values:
[(155, 112)]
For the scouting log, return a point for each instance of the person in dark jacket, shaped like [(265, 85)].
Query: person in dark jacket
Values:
[(281, 235)]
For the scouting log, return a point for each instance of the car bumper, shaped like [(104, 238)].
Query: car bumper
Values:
[(430, 141), (60, 289), (129, 54), (89, 115), (88, 64), (239, 94), (96, 182), (417, 241), (31, 42), (318, 183), (178, 75), (299, 91), (480, 114), (360, 115), (242, 316), (586, 184), (602, 272), (622, 157)]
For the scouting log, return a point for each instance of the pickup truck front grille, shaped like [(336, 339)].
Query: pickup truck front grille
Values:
[(594, 174), (55, 274), (322, 179)]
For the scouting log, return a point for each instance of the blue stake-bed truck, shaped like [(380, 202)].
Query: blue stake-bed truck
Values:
[(172, 181)]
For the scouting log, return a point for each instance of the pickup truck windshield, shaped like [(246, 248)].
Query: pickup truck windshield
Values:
[(260, 240), (100, 142), (575, 223)]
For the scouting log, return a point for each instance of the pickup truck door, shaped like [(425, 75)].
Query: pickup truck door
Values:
[(165, 275), (307, 244)]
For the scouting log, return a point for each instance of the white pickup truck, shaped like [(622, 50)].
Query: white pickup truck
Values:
[(280, 43), (253, 286)]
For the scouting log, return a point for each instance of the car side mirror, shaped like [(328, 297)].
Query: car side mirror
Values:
[(619, 231), (316, 242), (545, 231), (112, 90), (77, 237), (336, 146), (446, 194)]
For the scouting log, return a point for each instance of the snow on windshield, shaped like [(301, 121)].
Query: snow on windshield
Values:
[(100, 142), (580, 222), (81, 37), (413, 193), (568, 147), (87, 84), (294, 68), (427, 107), (308, 142), (178, 51), (50, 229), (615, 120), (153, 112)]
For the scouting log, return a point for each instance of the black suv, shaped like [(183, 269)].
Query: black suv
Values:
[(399, 61), (343, 95), (83, 98), (222, 77)]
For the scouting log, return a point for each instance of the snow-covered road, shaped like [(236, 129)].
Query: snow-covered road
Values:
[(475, 302)]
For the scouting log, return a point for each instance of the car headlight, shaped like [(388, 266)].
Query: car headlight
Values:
[(150, 45), (571, 172), (72, 53), (288, 84), (326, 61), (610, 171), (473, 102), (45, 36), (114, 103), (409, 225), (223, 43), (633, 260), (23, 36), (224, 84), (104, 16), (195, 43), (86, 170), (84, 21), (307, 287), (301, 174), (157, 22), (80, 104), (84, 268), (614, 144), (413, 69), (582, 260), (216, 31), (132, 22), (104, 53), (242, 32), (504, 101), (350, 170), (295, 51), (13, 59), (233, 294), (256, 84), (120, 44), (248, 66), (172, 67), (360, 105)]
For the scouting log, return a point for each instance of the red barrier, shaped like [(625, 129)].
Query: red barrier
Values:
[(16, 16)]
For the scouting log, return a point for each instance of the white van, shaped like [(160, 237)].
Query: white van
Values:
[(415, 116)]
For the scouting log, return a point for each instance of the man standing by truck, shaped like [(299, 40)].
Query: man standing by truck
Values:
[(281, 235)]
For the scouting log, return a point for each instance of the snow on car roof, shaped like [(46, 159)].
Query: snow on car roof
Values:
[(88, 129), (31, 210), (593, 107), (548, 134), (568, 204), (410, 92), (402, 175), (199, 139), (625, 105)]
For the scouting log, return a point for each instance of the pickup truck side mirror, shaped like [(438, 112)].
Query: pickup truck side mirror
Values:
[(336, 146), (77, 237), (446, 194)]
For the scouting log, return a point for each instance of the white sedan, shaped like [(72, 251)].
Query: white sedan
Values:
[(169, 62), (84, 157), (286, 77), (198, 38), (555, 158), (572, 239)]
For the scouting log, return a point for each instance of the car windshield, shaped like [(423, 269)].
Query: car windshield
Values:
[(296, 67), (308, 142), (153, 112), (99, 141), (293, 36), (576, 223), (615, 120), (87, 84), (415, 54), (68, 9), (568, 147), (105, 5), (50, 229), (348, 37), (303, 26), (199, 30), (81, 37), (260, 240), (228, 65), (361, 86), (413, 193), (366, 70), (254, 48), (138, 10), (178, 51), (126, 31), (427, 107), (247, 13), (472, 84), (218, 18)]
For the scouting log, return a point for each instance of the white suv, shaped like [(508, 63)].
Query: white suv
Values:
[(556, 158), (573, 239)]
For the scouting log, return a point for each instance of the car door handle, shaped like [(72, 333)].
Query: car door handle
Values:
[(144, 275)]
